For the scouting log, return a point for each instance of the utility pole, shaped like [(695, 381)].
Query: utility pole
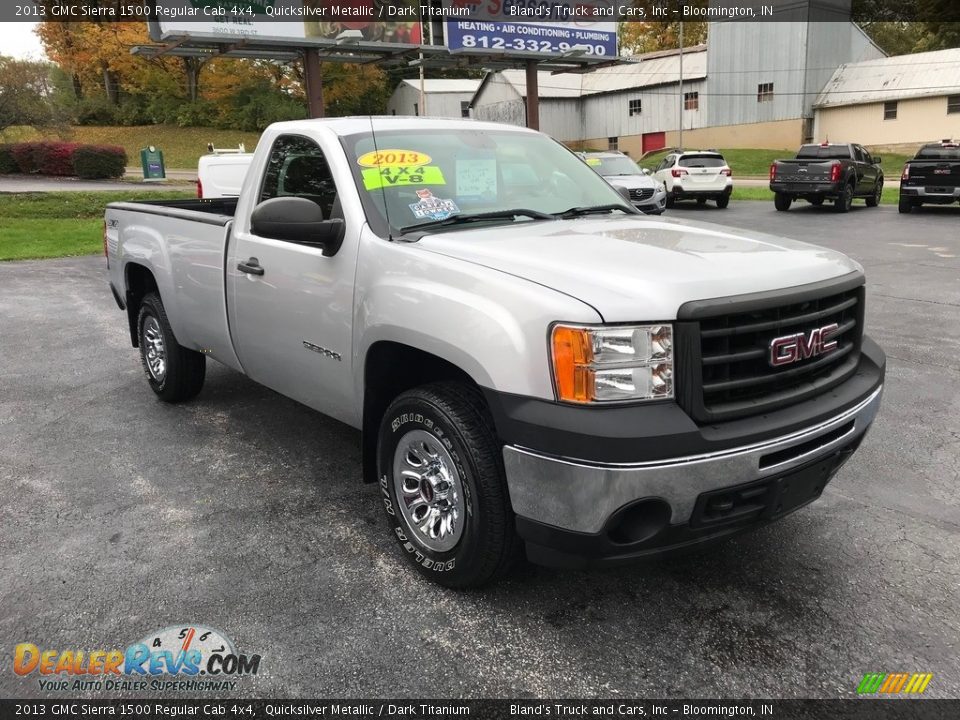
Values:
[(313, 80), (682, 103), (533, 96)]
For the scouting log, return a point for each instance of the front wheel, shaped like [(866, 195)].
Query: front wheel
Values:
[(443, 486), (781, 201), (723, 201), (874, 199), (175, 373)]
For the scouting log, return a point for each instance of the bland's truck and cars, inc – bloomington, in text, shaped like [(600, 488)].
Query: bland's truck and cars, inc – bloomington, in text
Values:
[(532, 363)]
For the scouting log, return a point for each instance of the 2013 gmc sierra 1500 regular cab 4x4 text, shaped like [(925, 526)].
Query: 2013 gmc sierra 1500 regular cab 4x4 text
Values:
[(532, 363)]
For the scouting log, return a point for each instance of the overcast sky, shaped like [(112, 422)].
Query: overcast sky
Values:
[(18, 40)]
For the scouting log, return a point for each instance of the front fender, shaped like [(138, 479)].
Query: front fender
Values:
[(492, 325)]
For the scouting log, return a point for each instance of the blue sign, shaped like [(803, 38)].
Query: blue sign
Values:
[(583, 39)]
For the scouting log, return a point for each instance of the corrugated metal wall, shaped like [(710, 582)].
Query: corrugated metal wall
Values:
[(608, 115), (438, 104)]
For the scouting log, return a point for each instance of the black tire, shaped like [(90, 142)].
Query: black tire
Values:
[(874, 199), (844, 200), (723, 201), (815, 201), (670, 201), (184, 370), (905, 206), (455, 417), (782, 201)]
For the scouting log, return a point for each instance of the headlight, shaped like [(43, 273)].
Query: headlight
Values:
[(616, 363), (661, 188)]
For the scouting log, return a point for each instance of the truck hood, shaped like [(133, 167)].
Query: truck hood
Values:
[(640, 268)]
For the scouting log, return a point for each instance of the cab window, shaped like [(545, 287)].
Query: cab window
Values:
[(297, 168)]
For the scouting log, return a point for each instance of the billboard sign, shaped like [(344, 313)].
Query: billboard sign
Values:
[(290, 22), (522, 27)]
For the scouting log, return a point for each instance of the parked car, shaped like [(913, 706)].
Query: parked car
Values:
[(933, 176), (699, 175), (220, 173), (646, 193), (532, 363), (838, 172)]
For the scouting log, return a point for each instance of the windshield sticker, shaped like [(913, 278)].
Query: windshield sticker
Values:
[(431, 207), (392, 158), (594, 162), (397, 176), (477, 178)]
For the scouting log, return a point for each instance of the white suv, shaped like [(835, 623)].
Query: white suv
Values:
[(696, 174)]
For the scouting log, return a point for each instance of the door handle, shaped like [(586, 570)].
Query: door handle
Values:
[(251, 267)]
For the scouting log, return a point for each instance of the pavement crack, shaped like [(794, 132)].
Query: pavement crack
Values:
[(932, 302)]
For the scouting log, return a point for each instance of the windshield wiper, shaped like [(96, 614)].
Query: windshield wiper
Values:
[(478, 217), (597, 209)]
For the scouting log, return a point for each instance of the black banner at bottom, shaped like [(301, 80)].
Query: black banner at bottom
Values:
[(854, 709)]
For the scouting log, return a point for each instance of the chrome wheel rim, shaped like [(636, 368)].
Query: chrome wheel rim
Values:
[(429, 490), (154, 351)]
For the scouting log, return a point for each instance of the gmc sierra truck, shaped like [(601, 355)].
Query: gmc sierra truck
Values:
[(932, 177), (836, 171), (533, 364)]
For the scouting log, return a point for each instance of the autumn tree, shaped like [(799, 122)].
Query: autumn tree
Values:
[(637, 38)]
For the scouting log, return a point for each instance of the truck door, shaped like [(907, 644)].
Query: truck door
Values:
[(866, 172), (290, 307)]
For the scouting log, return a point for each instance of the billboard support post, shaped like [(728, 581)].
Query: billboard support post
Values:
[(313, 80), (533, 96)]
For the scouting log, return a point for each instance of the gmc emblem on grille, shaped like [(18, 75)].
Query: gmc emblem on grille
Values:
[(793, 348)]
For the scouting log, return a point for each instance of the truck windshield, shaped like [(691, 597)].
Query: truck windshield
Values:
[(615, 165), (411, 177), (831, 152)]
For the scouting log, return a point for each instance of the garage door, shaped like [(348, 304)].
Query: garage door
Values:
[(654, 141)]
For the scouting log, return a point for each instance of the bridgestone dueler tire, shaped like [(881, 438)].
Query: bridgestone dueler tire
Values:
[(185, 369), (456, 415)]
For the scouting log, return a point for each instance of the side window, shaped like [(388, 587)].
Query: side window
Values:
[(867, 158), (298, 168)]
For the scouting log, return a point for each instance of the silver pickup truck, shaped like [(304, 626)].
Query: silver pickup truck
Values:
[(534, 365)]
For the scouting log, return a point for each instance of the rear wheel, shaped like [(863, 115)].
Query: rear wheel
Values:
[(174, 372), (782, 201), (874, 199), (905, 206), (845, 200), (443, 486), (669, 202), (723, 201)]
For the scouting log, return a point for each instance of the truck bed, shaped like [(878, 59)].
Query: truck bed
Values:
[(215, 211)]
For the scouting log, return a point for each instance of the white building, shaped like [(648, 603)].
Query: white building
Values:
[(444, 98), (896, 101)]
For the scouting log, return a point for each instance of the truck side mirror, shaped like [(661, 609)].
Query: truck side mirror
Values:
[(646, 171), (877, 160), (297, 220)]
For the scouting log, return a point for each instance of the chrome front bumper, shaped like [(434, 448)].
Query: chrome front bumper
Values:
[(579, 496)]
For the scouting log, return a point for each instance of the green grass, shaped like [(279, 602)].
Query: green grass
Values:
[(181, 147), (890, 195), (63, 224), (747, 162)]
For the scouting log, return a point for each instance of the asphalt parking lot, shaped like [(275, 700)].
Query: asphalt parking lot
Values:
[(243, 511)]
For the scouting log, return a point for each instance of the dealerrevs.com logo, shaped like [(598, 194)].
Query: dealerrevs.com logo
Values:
[(185, 657)]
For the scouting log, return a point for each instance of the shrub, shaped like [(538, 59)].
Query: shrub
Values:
[(96, 111), (7, 163), (260, 109), (163, 109), (25, 156), (55, 158), (94, 162), (197, 114), (133, 111)]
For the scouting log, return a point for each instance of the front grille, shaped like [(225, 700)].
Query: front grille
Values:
[(641, 194), (727, 372)]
